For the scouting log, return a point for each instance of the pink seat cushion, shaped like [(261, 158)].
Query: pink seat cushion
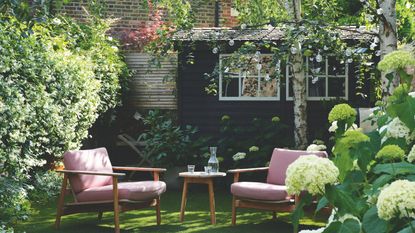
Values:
[(259, 191), (281, 159), (134, 191), (88, 160)]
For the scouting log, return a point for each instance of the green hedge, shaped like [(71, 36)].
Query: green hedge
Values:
[(56, 77)]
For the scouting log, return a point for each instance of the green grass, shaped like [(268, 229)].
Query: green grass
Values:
[(197, 218)]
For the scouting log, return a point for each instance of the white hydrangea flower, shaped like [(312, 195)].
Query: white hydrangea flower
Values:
[(320, 230), (315, 147), (411, 155), (239, 156), (397, 200), (397, 129), (333, 127), (310, 173), (412, 94)]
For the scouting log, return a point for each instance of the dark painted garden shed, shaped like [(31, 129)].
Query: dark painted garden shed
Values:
[(198, 108)]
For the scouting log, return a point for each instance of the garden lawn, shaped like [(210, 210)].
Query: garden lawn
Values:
[(197, 218)]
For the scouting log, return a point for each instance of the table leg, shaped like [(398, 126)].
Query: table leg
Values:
[(184, 199), (212, 202)]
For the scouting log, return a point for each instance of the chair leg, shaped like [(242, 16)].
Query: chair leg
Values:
[(61, 202), (274, 215), (158, 215), (100, 213), (233, 211), (116, 207)]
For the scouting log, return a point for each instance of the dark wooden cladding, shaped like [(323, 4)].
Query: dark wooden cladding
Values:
[(205, 111), (152, 87)]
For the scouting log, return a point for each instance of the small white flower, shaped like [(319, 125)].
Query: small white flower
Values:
[(56, 21), (315, 147), (215, 50), (231, 43), (110, 38), (239, 156), (137, 116), (325, 48), (379, 11), (411, 155), (408, 5), (350, 60), (243, 26), (333, 127), (412, 94)]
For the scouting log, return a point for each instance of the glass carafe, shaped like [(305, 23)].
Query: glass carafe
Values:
[(213, 161)]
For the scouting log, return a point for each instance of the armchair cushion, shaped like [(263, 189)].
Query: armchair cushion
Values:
[(260, 191), (134, 191), (281, 159), (88, 160)]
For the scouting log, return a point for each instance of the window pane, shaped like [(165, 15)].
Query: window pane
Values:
[(230, 86), (290, 87), (316, 68), (316, 86), (250, 86), (337, 87), (268, 87), (336, 66)]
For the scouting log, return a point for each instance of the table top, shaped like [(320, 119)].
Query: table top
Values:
[(202, 174)]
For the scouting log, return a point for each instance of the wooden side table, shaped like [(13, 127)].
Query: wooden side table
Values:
[(200, 178)]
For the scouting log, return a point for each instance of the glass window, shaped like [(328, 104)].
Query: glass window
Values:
[(327, 79), (249, 77)]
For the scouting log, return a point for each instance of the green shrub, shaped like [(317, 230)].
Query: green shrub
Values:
[(166, 143), (255, 141), (53, 88)]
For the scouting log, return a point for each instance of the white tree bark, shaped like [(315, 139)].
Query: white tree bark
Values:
[(299, 87), (388, 40)]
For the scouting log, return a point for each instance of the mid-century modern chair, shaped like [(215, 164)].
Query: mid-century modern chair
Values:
[(272, 194), (95, 187)]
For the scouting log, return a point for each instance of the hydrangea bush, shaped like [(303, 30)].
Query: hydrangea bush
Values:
[(376, 171)]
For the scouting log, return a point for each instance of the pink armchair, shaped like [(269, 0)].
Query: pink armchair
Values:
[(95, 187), (271, 195)]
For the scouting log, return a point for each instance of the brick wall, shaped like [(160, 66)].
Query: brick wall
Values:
[(133, 14)]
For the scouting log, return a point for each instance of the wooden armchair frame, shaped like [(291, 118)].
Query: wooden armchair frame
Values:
[(115, 205), (274, 206)]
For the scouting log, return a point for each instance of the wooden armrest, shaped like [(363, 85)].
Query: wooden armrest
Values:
[(257, 169), (139, 169), (76, 172)]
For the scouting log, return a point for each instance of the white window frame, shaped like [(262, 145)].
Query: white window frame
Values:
[(326, 75), (245, 98)]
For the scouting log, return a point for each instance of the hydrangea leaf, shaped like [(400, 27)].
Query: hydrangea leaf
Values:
[(395, 168), (408, 229), (372, 223), (405, 111)]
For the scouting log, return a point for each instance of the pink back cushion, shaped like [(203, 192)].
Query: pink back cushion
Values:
[(281, 159), (88, 160)]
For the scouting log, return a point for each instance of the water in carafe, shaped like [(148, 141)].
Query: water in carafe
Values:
[(213, 161)]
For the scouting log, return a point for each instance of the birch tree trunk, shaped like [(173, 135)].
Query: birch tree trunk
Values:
[(299, 87), (388, 40)]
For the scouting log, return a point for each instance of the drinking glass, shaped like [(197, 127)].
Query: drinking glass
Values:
[(191, 168), (208, 169)]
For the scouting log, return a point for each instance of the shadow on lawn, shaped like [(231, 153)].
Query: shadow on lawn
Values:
[(197, 219)]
